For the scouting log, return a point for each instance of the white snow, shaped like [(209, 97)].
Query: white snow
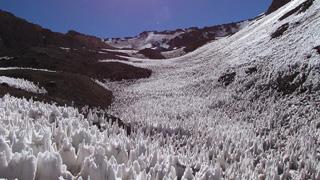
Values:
[(101, 84), (145, 41), (153, 40), (186, 125), (65, 48), (174, 53), (24, 68), (22, 84), (6, 58), (127, 51), (185, 93)]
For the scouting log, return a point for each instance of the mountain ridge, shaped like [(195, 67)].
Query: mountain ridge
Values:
[(187, 39)]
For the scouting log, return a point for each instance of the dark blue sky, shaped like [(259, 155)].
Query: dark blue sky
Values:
[(118, 18)]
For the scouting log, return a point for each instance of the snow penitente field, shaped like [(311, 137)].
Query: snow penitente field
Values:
[(246, 106)]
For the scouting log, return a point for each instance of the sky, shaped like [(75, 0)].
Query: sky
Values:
[(122, 18)]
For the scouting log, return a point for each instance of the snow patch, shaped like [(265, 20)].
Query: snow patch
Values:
[(25, 68), (6, 58), (22, 84)]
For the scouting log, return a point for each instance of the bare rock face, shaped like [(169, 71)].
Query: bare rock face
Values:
[(276, 4), (152, 53), (19, 33), (88, 40)]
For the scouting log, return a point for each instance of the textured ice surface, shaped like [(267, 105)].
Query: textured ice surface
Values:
[(22, 84), (186, 124)]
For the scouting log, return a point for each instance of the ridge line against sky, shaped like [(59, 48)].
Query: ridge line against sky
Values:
[(121, 18)]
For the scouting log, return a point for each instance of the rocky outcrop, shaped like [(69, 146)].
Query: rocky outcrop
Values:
[(227, 78), (88, 40), (280, 31), (276, 4), (151, 53), (298, 10), (18, 33), (187, 39)]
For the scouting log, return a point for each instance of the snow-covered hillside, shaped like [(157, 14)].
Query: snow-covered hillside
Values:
[(172, 40), (145, 40), (243, 107)]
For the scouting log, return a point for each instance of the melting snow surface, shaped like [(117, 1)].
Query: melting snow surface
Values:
[(185, 124), (22, 84)]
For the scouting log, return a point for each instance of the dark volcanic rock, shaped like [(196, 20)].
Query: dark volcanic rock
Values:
[(251, 70), (63, 88), (280, 31), (192, 40), (90, 41), (286, 83), (294, 79), (317, 49), (36, 47), (227, 78), (300, 9), (151, 53), (276, 4), (18, 33), (74, 61)]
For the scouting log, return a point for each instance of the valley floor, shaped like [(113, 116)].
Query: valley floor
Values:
[(243, 107)]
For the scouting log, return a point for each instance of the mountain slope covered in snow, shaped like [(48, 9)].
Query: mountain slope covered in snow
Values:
[(177, 42), (245, 106)]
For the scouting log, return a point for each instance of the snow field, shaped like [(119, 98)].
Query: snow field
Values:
[(185, 124), (22, 84), (184, 94)]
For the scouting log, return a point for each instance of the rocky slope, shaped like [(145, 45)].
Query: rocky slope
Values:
[(276, 4), (73, 57), (18, 33), (152, 43)]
